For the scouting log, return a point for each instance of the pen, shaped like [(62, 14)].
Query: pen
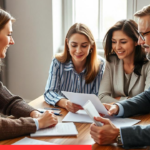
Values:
[(57, 114), (52, 108)]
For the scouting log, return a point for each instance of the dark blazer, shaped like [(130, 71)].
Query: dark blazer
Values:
[(134, 136), (14, 105)]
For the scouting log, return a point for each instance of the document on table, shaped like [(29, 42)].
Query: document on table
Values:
[(29, 141), (82, 117), (61, 129), (81, 99)]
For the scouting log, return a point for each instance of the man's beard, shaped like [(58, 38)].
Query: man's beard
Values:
[(147, 53)]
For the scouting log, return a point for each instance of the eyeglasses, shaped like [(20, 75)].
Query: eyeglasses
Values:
[(143, 34)]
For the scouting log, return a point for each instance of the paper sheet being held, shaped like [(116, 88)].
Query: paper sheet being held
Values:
[(92, 112), (81, 99)]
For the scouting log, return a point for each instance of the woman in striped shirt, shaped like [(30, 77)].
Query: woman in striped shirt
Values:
[(77, 69)]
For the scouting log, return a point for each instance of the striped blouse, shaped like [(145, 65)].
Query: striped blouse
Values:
[(63, 77)]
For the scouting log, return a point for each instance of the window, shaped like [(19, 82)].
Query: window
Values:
[(98, 15)]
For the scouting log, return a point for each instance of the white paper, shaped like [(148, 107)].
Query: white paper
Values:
[(29, 141), (122, 122), (82, 117), (81, 99), (61, 129), (92, 112), (79, 116)]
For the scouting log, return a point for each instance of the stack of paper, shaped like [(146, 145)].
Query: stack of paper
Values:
[(82, 117), (61, 129)]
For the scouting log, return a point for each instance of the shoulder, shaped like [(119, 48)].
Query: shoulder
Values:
[(102, 60), (147, 64), (146, 67), (55, 61), (101, 65), (55, 64), (114, 61)]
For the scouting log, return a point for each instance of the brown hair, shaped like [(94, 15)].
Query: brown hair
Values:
[(92, 62), (143, 12), (129, 27), (4, 18)]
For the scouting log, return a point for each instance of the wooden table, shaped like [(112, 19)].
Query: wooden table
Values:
[(83, 137)]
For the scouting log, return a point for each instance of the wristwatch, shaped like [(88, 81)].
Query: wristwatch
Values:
[(118, 139)]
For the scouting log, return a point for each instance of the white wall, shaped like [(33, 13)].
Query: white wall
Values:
[(58, 39), (29, 59), (142, 3), (38, 35)]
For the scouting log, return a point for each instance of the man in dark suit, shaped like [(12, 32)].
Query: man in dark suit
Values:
[(132, 136)]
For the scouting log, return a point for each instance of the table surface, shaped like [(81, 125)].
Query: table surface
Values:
[(83, 137)]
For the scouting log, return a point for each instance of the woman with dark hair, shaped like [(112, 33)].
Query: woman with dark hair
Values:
[(77, 69), (31, 120), (127, 70)]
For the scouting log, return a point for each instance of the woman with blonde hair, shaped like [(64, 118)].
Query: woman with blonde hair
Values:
[(77, 69), (127, 70), (31, 120)]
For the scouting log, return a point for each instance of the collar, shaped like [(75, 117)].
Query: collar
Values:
[(69, 66)]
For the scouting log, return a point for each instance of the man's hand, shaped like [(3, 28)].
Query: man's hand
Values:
[(35, 114), (106, 134), (47, 119), (72, 107), (112, 109)]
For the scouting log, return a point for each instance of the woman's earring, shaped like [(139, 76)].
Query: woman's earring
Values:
[(90, 50)]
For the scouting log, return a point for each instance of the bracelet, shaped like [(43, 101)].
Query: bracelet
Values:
[(118, 139)]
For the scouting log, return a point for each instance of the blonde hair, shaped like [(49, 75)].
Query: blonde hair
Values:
[(92, 62), (143, 12)]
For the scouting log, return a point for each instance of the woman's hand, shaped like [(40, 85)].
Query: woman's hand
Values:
[(72, 107), (47, 119), (35, 114), (112, 109)]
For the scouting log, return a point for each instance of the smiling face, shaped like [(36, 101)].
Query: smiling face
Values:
[(5, 39), (123, 45), (79, 47)]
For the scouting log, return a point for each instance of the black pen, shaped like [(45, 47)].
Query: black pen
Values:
[(57, 114)]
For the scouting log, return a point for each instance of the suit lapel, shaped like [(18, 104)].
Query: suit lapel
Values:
[(133, 80), (120, 77)]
